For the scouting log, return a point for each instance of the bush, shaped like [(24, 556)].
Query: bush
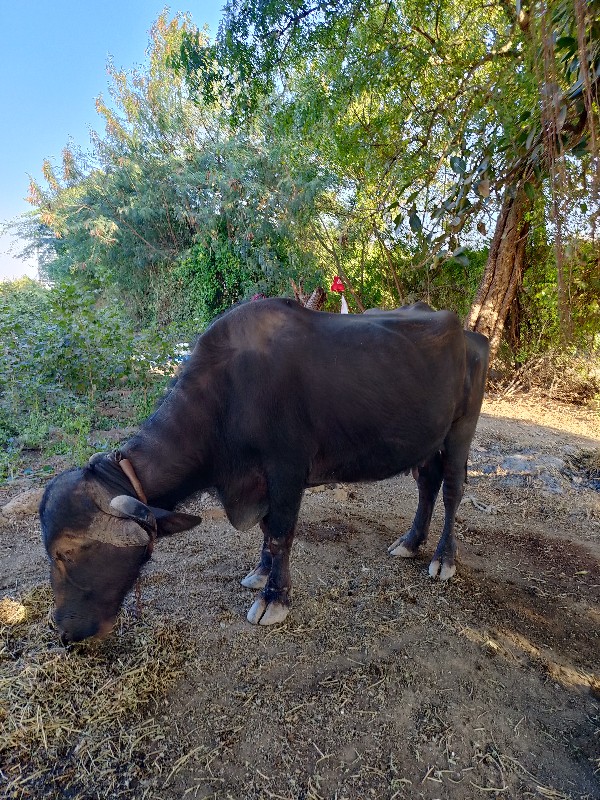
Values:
[(539, 326), (555, 374), (61, 352), (207, 282)]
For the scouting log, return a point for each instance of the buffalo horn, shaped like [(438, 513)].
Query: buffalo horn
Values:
[(125, 506)]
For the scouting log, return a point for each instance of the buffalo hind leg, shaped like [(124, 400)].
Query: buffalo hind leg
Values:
[(258, 577), (456, 453), (429, 481), (442, 564)]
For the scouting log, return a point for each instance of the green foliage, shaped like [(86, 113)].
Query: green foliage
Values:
[(373, 141), (23, 307), (540, 323), (451, 283), (8, 445), (8, 429), (62, 351), (168, 182), (66, 341), (35, 430), (88, 347), (355, 73), (209, 281)]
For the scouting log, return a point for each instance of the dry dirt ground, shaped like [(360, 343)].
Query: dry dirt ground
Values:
[(383, 683)]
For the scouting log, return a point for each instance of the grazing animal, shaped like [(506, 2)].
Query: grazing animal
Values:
[(274, 398)]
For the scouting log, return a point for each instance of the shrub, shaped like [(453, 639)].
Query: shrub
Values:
[(61, 351)]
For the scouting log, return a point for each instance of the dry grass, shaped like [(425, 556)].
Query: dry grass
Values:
[(80, 723), (553, 375), (381, 684), (589, 462)]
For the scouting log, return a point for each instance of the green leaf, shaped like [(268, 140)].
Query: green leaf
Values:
[(415, 223), (581, 148), (458, 165), (567, 42)]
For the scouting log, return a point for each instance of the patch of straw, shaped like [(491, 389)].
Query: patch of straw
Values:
[(558, 376), (78, 723)]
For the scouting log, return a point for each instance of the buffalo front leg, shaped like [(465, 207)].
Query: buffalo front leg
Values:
[(273, 603), (257, 578), (429, 481)]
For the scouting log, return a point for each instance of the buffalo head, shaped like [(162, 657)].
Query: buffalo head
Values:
[(97, 540)]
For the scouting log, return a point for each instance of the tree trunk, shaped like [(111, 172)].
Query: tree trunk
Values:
[(503, 272)]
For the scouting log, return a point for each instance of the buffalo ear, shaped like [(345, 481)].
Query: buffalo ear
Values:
[(170, 522)]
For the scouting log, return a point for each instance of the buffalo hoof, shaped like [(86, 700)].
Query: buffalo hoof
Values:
[(256, 579), (443, 571), (400, 549), (402, 552), (263, 613)]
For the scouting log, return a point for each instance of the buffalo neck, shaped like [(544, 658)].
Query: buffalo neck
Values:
[(171, 452)]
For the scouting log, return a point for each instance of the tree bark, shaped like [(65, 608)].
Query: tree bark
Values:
[(503, 272)]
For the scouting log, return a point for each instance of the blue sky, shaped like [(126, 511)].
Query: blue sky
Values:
[(53, 56)]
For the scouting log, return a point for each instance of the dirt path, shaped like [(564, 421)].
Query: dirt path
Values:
[(383, 683)]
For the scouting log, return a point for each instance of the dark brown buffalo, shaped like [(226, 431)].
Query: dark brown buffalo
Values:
[(274, 398)]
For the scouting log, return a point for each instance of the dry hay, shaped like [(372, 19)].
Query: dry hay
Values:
[(557, 376), (78, 723)]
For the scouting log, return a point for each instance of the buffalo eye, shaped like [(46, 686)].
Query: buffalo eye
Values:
[(61, 560), (64, 557)]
